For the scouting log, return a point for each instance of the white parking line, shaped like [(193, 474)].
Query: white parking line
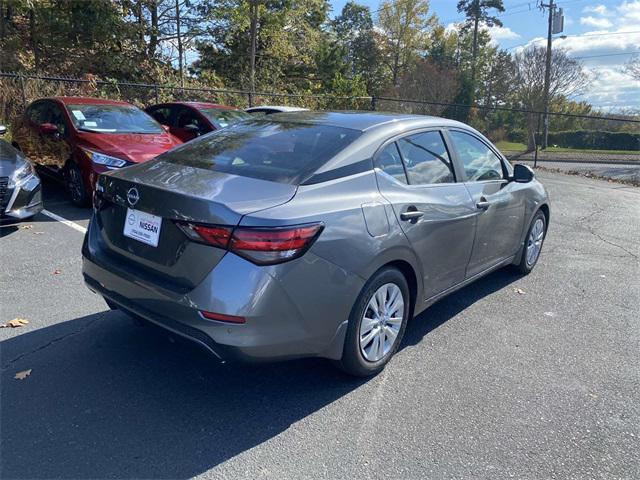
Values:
[(68, 223)]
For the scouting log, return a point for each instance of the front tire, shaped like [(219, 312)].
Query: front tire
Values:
[(533, 243), (377, 323), (75, 185)]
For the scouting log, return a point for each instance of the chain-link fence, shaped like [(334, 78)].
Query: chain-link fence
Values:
[(581, 139)]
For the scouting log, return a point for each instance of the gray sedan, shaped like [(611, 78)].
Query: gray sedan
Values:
[(310, 233), (20, 190)]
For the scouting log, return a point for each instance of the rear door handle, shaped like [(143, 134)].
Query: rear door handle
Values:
[(411, 215), (483, 204)]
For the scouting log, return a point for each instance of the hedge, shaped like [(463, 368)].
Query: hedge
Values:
[(596, 140), (586, 139)]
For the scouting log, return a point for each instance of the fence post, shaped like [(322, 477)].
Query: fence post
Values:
[(373, 103), (155, 87), (250, 99), (24, 93)]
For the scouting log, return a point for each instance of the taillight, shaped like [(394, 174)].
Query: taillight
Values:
[(221, 317), (260, 245), (211, 234)]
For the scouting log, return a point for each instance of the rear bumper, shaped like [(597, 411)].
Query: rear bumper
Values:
[(24, 200), (283, 319)]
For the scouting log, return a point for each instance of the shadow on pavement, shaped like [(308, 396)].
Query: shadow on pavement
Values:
[(107, 399), (450, 306)]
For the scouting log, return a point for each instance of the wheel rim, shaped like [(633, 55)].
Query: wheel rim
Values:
[(381, 322), (534, 242), (75, 184)]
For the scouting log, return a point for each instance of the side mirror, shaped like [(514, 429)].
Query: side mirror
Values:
[(3, 130), (523, 173), (48, 129)]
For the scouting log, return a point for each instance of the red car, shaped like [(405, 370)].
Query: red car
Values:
[(187, 120), (76, 138)]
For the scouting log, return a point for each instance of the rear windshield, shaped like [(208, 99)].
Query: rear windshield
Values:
[(112, 119), (275, 151), (223, 118)]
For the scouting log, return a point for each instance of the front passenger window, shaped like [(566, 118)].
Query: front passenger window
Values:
[(479, 161)]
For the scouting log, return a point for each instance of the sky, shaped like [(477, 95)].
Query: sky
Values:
[(601, 34)]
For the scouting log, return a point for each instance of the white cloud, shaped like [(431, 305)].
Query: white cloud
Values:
[(629, 13), (595, 22), (502, 33), (597, 9)]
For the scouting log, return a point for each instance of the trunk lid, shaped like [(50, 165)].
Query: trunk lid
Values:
[(175, 193)]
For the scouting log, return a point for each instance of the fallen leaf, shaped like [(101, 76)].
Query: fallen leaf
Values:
[(15, 323), (57, 271), (26, 227), (38, 233), (22, 375), (549, 314), (519, 291)]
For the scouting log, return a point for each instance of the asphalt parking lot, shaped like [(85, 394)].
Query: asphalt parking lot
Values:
[(511, 377)]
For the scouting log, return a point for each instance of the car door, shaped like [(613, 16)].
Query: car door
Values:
[(500, 206), (188, 125), (44, 139), (416, 175)]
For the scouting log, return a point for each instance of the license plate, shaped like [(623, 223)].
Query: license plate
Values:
[(142, 226)]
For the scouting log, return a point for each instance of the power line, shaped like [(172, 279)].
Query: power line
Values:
[(607, 55)]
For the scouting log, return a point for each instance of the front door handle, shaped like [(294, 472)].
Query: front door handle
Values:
[(411, 215), (483, 204)]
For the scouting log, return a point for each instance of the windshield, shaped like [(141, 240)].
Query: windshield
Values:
[(112, 119), (223, 118), (274, 151)]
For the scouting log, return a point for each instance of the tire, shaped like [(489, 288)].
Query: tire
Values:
[(75, 184), (388, 282), (535, 235)]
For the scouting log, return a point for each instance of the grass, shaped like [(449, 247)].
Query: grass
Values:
[(521, 147)]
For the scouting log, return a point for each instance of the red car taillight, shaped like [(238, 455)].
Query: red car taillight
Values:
[(263, 245)]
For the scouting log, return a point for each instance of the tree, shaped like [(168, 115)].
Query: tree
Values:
[(476, 12), (428, 82), (633, 67), (404, 25), (357, 39), (287, 35), (567, 78)]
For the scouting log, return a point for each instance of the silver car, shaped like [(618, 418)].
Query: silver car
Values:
[(310, 233)]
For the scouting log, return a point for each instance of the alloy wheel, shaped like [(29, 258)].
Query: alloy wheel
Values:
[(381, 322), (534, 242)]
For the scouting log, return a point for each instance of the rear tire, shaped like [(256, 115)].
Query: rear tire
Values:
[(533, 244), (376, 324), (75, 184)]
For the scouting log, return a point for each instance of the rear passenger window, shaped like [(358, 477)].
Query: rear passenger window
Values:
[(478, 160), (426, 159), (389, 161)]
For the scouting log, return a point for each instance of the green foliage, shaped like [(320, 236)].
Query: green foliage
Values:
[(596, 140)]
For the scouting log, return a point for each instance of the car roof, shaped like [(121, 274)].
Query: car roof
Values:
[(363, 121), (86, 101), (281, 108), (199, 105)]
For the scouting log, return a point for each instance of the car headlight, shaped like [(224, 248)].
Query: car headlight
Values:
[(106, 160), (21, 173)]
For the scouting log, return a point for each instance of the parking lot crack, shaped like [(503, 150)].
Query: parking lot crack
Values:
[(47, 345)]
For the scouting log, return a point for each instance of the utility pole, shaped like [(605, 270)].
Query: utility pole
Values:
[(555, 26)]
